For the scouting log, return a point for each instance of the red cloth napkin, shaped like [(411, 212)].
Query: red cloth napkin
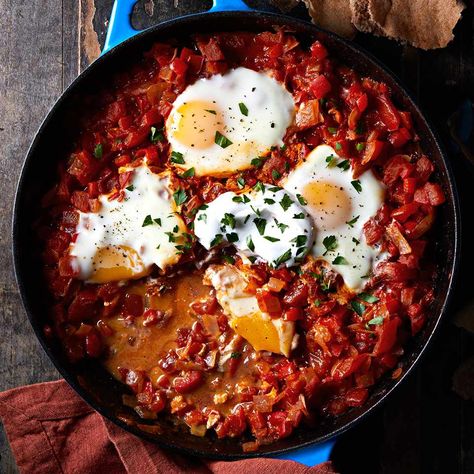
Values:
[(51, 430)]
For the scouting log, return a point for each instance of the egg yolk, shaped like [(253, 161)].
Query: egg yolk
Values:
[(117, 263), (195, 124), (327, 203)]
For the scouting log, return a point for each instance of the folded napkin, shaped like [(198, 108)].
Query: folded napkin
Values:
[(51, 430)]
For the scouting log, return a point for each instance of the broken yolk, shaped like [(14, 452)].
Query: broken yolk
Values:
[(327, 203), (117, 263), (195, 124)]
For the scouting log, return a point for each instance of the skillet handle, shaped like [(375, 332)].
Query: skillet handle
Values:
[(311, 455), (120, 29)]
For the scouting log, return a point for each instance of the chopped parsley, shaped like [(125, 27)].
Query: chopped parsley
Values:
[(228, 220), (340, 260), (357, 186), (269, 201), (358, 307), (235, 355), (357, 242), (281, 226), (301, 200), (332, 130), (147, 221), (338, 146), (271, 239), (260, 224), (188, 173), (259, 187), (367, 297), (286, 202), (377, 321), (232, 237), (283, 258), (228, 259), (157, 221), (221, 140), (241, 182), (98, 151), (360, 146), (331, 161), (243, 109), (352, 221), (298, 216), (156, 135), (344, 165), (276, 174), (317, 303), (250, 243), (330, 243), (216, 240), (257, 162), (300, 240), (180, 197), (177, 157), (130, 188)]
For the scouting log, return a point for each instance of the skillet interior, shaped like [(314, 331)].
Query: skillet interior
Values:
[(92, 382)]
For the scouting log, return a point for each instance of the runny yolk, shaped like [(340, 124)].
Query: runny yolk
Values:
[(329, 205), (117, 263), (195, 124)]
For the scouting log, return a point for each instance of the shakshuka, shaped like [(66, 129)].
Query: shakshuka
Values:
[(240, 234)]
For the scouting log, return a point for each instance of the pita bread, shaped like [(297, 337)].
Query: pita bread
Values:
[(361, 18), (332, 15), (426, 25), (285, 5)]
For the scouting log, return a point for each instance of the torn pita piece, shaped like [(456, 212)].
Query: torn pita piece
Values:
[(332, 15), (426, 24)]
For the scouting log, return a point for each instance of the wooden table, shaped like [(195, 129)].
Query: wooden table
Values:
[(425, 426)]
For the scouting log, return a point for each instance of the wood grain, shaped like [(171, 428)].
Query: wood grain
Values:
[(424, 427)]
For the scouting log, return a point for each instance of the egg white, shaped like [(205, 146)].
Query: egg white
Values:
[(340, 211), (126, 237), (250, 109)]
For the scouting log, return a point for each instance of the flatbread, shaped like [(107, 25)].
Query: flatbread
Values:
[(424, 24), (285, 5), (361, 19), (332, 15)]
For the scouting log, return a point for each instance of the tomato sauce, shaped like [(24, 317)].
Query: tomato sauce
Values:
[(164, 335)]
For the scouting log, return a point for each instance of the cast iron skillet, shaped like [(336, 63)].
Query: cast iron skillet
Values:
[(92, 382)]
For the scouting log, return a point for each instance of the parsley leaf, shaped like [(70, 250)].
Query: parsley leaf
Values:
[(130, 188), (147, 221), (180, 196), (188, 173), (232, 237), (250, 244), (156, 135), (298, 216), (377, 321), (98, 151), (257, 162), (330, 243), (344, 165), (358, 307), (216, 240), (241, 182), (367, 297), (352, 221), (260, 224), (276, 175), (157, 221), (243, 109), (300, 240), (271, 239), (357, 242), (301, 200), (228, 220), (357, 186), (177, 157), (338, 146), (331, 161), (340, 260), (222, 141), (286, 202), (283, 258), (360, 146)]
